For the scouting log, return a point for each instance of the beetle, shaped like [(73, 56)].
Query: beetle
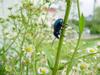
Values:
[(57, 27)]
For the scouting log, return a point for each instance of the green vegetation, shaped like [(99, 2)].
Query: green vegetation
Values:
[(93, 24), (27, 45)]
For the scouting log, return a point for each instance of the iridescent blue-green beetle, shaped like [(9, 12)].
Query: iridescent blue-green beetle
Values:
[(57, 27)]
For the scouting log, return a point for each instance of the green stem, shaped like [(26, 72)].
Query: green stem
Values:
[(3, 49), (83, 56), (83, 73), (27, 69), (54, 72), (35, 62), (69, 67), (78, 7), (23, 40), (21, 53), (11, 43), (72, 58)]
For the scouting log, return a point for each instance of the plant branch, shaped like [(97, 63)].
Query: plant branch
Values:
[(68, 7)]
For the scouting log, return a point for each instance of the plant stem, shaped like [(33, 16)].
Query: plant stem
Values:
[(54, 72), (21, 53), (72, 58), (78, 7), (3, 49), (69, 67), (27, 69)]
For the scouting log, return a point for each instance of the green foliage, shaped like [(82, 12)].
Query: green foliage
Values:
[(81, 24), (94, 26), (2, 70), (97, 14), (26, 45), (49, 59)]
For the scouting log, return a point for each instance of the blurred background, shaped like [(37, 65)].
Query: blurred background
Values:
[(27, 40), (56, 9)]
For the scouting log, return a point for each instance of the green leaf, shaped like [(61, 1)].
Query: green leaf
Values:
[(81, 23), (62, 66), (49, 59), (2, 70)]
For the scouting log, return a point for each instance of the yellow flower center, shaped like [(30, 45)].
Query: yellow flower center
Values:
[(83, 66), (28, 49), (43, 71), (92, 50)]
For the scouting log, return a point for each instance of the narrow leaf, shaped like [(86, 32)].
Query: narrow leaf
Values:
[(49, 59), (81, 24)]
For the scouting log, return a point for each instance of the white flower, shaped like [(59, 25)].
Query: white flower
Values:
[(29, 49), (98, 43), (91, 50), (43, 70), (83, 65)]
